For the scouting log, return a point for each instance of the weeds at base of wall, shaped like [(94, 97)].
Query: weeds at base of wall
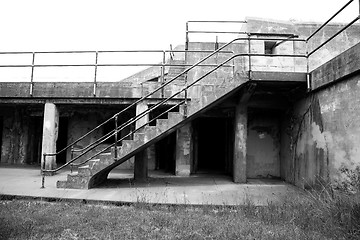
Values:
[(350, 181)]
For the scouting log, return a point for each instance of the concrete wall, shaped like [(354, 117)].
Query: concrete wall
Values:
[(263, 146), (323, 129), (18, 135), (345, 40)]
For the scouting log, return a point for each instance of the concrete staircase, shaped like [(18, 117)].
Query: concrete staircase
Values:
[(176, 70), (97, 170)]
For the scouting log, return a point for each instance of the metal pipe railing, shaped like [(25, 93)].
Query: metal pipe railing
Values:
[(167, 83), (329, 20), (333, 36), (249, 54)]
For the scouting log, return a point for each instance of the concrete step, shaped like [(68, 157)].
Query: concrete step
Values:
[(139, 136), (76, 181), (162, 124), (84, 171)]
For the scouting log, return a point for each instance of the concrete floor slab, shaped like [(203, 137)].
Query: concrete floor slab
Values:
[(201, 189)]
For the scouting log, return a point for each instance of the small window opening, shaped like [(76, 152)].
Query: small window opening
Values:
[(270, 47)]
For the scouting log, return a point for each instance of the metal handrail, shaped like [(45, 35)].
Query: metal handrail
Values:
[(331, 18), (125, 109), (194, 82), (159, 104), (173, 79)]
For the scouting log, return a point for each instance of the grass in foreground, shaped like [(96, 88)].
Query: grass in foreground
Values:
[(315, 218)]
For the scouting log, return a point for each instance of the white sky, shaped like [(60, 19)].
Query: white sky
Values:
[(48, 25), (43, 25)]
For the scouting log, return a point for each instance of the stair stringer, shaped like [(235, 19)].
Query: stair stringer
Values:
[(195, 108)]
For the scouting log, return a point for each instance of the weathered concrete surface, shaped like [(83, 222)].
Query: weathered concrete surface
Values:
[(321, 136), (183, 150), (141, 158), (339, 67), (324, 134), (85, 90), (15, 135), (81, 122), (163, 189), (345, 40), (50, 135), (240, 144), (263, 146)]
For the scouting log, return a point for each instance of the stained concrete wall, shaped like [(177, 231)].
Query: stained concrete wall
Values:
[(19, 135), (323, 129), (339, 44), (263, 145)]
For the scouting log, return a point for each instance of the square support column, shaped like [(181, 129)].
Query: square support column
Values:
[(50, 135), (239, 162), (141, 158), (183, 150)]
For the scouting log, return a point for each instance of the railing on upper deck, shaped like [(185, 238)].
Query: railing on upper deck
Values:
[(162, 64)]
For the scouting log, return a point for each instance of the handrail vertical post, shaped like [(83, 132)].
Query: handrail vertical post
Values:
[(116, 138), (249, 51), (42, 171), (186, 75), (71, 157), (95, 76), (163, 73), (307, 67), (32, 75), (187, 36)]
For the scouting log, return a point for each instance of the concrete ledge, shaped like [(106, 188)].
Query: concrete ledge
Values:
[(278, 76), (123, 90), (339, 67)]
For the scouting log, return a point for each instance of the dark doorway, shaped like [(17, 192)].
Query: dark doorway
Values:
[(61, 142), (165, 153), (1, 130), (213, 145), (35, 141)]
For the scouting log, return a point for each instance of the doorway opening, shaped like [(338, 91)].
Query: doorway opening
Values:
[(1, 130), (165, 154), (35, 140), (213, 145), (62, 139)]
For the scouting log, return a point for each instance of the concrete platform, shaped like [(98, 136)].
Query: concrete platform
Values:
[(201, 189)]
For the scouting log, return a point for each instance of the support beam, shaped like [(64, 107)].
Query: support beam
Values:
[(141, 158), (50, 135), (239, 161), (183, 150)]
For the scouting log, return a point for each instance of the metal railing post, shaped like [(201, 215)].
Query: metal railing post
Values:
[(249, 51), (32, 75), (187, 37), (42, 171), (95, 76), (307, 66), (163, 73), (116, 138)]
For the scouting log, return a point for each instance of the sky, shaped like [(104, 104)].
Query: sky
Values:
[(45, 25), (49, 25)]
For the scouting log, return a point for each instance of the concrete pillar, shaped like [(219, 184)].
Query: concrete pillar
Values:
[(239, 162), (183, 150), (50, 135), (141, 158), (141, 107)]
